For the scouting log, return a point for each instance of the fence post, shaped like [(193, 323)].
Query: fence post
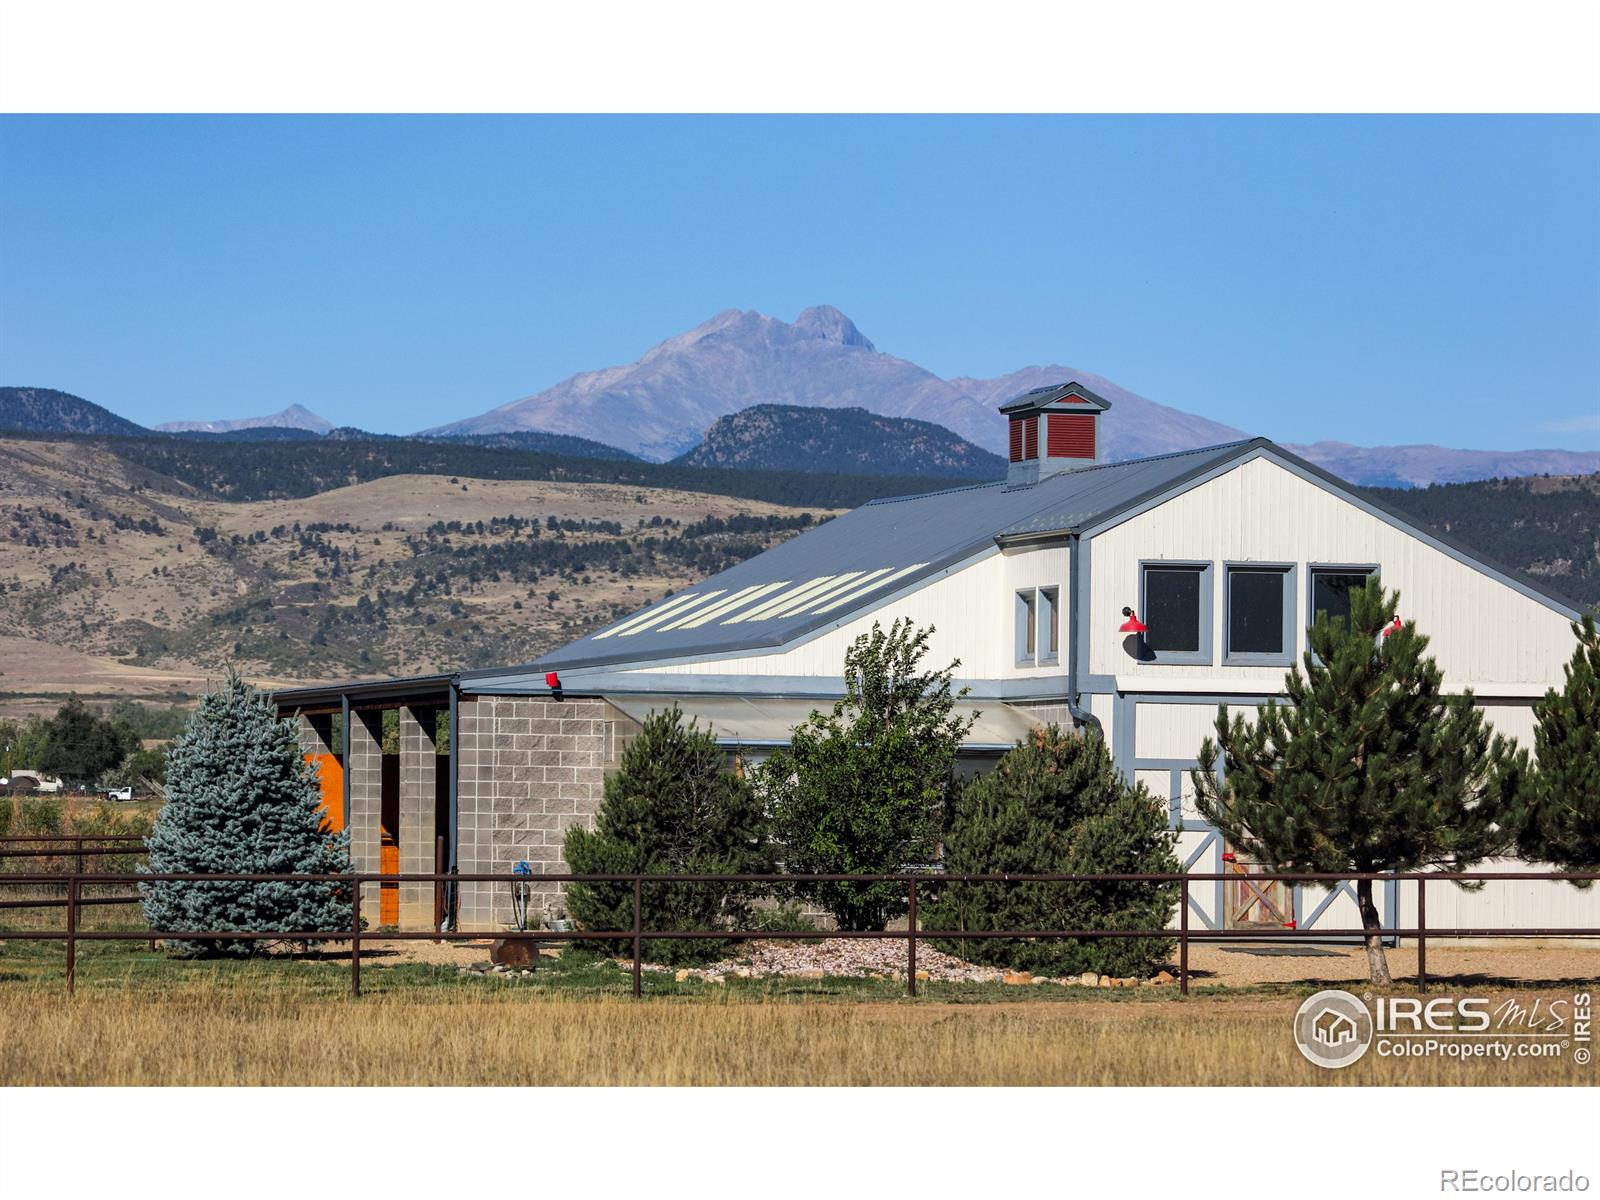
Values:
[(1422, 934), (911, 940), (78, 861), (72, 934), (638, 942), (1183, 937), (355, 937)]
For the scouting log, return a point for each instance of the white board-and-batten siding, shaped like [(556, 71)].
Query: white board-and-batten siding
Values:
[(1485, 634)]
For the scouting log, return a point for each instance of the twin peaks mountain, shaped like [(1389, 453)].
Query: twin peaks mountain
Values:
[(661, 406)]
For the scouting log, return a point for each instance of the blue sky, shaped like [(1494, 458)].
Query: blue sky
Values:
[(1372, 280)]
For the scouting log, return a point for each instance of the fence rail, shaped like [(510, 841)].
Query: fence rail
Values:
[(638, 935)]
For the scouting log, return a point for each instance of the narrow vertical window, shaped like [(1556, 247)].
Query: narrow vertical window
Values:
[(1027, 626), (1049, 624)]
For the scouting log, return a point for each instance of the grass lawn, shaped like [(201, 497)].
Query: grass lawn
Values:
[(148, 1018)]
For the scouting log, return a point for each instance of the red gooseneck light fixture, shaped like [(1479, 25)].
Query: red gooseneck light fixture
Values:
[(1395, 628), (1132, 624)]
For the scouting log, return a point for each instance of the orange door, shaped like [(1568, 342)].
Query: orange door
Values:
[(389, 841), (330, 779)]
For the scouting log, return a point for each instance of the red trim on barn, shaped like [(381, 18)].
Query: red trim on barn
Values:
[(1070, 435), (1030, 435), (1016, 439)]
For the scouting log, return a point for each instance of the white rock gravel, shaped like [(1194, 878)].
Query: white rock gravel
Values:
[(851, 958)]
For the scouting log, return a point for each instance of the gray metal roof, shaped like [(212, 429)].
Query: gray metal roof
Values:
[(1039, 397), (822, 577)]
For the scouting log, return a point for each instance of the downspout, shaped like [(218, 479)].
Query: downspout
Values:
[(1079, 714)]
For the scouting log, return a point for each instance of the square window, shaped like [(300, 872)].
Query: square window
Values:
[(1027, 626), (1172, 609), (1331, 588), (1260, 610), (1049, 625)]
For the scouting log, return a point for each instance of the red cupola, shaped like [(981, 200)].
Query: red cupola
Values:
[(1053, 429)]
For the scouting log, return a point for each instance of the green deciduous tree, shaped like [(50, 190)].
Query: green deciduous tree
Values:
[(1557, 813), (672, 808), (81, 744), (1370, 767), (1055, 804), (241, 799), (862, 789)]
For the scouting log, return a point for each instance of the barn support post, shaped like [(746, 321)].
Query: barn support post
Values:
[(453, 823)]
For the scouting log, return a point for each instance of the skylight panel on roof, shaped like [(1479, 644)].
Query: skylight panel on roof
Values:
[(699, 598), (852, 581), (741, 598), (875, 585), (799, 603), (651, 610), (762, 611)]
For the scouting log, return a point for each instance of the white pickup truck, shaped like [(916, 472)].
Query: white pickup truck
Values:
[(121, 793)]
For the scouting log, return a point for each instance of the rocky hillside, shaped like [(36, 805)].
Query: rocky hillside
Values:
[(110, 571), (45, 410), (846, 441), (1546, 527)]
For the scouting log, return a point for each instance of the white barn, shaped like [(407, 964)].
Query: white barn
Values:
[(1224, 553)]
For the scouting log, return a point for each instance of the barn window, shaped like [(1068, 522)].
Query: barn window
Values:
[(1260, 626), (1331, 588), (1027, 626), (1175, 603)]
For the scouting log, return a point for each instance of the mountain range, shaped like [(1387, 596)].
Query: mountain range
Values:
[(660, 406), (293, 417)]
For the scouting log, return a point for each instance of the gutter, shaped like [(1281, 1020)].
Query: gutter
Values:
[(1079, 714)]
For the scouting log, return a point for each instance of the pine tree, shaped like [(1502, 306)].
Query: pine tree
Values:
[(1370, 767), (863, 789), (672, 808), (1055, 804), (1557, 815), (241, 799)]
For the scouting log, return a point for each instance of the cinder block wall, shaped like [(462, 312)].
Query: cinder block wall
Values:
[(418, 773), (364, 769), (529, 770)]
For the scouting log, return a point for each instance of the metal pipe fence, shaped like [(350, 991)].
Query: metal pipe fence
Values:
[(637, 935)]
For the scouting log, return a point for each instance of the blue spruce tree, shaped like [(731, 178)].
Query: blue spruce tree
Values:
[(241, 799)]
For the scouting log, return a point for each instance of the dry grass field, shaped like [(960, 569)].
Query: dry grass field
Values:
[(196, 1036), (140, 1018)]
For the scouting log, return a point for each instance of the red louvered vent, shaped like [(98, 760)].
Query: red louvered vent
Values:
[(1030, 437), (1016, 439), (1070, 435)]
